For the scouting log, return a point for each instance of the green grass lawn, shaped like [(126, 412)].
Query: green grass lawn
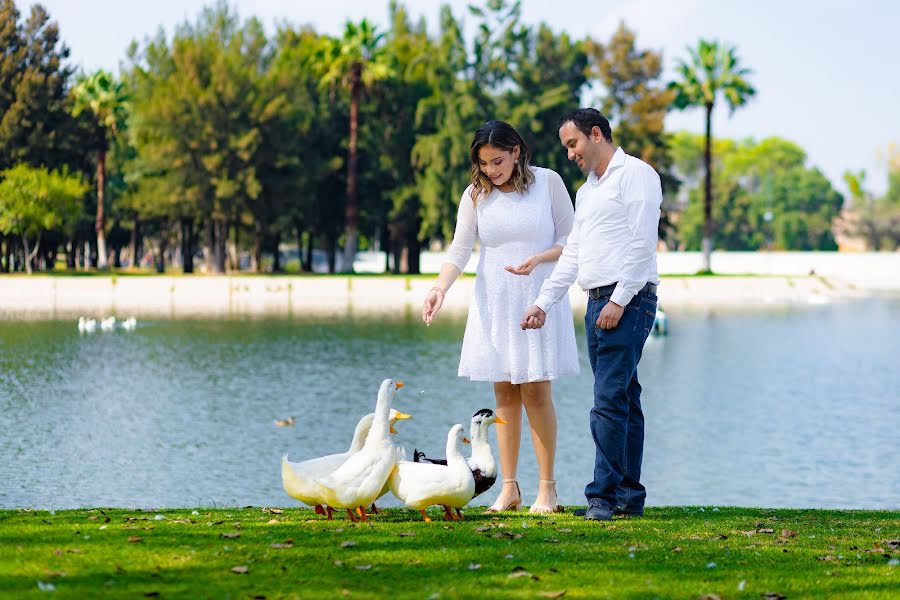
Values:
[(674, 552)]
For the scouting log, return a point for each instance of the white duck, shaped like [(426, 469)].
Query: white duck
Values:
[(108, 324), (299, 478), (360, 480), (86, 325), (420, 485), (481, 463), (129, 324)]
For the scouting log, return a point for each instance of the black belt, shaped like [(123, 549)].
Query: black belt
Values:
[(605, 291)]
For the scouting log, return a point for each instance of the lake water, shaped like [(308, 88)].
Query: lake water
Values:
[(778, 406)]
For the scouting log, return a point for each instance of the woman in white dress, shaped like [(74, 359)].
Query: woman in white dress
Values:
[(521, 215)]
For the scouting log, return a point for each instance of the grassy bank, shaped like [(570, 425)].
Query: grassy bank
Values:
[(677, 552)]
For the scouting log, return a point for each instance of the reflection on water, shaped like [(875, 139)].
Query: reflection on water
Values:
[(771, 407)]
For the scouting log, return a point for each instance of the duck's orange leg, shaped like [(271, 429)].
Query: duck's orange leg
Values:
[(329, 510), (362, 514), (425, 516), (350, 514), (460, 515), (448, 516)]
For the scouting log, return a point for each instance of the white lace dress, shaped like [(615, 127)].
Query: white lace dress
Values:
[(512, 227)]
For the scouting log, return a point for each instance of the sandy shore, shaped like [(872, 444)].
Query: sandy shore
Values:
[(45, 297)]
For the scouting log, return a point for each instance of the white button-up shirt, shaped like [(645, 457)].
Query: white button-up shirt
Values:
[(613, 239)]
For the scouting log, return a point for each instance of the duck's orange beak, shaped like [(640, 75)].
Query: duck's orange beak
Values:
[(466, 440), (399, 384), (499, 421)]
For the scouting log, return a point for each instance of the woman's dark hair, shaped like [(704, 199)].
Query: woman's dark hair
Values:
[(502, 135), (585, 119)]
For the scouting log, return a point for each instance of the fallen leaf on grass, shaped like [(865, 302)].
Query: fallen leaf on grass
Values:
[(347, 544), (765, 530), (558, 594), (787, 533), (721, 537), (517, 574), (676, 549), (892, 544), (75, 551), (240, 570), (696, 537), (363, 567), (483, 529), (274, 511), (564, 530), (407, 533), (710, 597), (231, 534), (826, 558), (272, 522), (282, 545), (45, 587), (551, 541), (474, 566), (56, 573), (135, 539)]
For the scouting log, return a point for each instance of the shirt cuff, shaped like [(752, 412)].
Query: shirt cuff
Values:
[(544, 303), (621, 296)]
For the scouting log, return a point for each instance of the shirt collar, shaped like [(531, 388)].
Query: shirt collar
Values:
[(617, 160)]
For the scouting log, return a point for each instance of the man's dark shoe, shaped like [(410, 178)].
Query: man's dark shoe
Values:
[(598, 513), (580, 512)]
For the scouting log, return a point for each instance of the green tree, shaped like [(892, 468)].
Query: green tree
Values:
[(105, 100), (713, 70), (355, 62), (34, 200), (766, 197)]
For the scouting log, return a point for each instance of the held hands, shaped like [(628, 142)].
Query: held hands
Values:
[(433, 302), (526, 267), (534, 318), (610, 315)]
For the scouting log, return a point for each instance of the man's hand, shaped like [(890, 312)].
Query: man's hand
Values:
[(534, 318), (610, 315)]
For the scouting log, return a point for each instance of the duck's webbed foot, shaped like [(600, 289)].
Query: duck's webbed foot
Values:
[(425, 516)]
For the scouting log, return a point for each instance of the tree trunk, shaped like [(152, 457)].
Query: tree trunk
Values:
[(351, 208), (187, 244), (707, 194), (257, 247), (331, 247), (29, 254), (310, 238), (135, 261), (413, 245), (4, 254), (220, 233), (163, 246), (100, 221), (276, 255), (70, 254)]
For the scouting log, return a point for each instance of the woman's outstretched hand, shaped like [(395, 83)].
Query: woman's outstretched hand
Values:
[(433, 302), (526, 267)]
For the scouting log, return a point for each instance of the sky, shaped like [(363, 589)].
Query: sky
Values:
[(826, 71)]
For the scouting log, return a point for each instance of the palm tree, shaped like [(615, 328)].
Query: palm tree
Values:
[(356, 61), (713, 70), (104, 98)]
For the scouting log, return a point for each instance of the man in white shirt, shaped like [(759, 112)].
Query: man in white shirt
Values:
[(611, 253)]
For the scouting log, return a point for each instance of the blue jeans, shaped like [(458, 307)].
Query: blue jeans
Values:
[(617, 422)]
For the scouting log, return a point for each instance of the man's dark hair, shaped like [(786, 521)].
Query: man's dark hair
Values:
[(585, 119)]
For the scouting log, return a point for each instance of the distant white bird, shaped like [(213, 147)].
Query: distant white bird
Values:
[(86, 325), (108, 324), (129, 324), (661, 322)]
